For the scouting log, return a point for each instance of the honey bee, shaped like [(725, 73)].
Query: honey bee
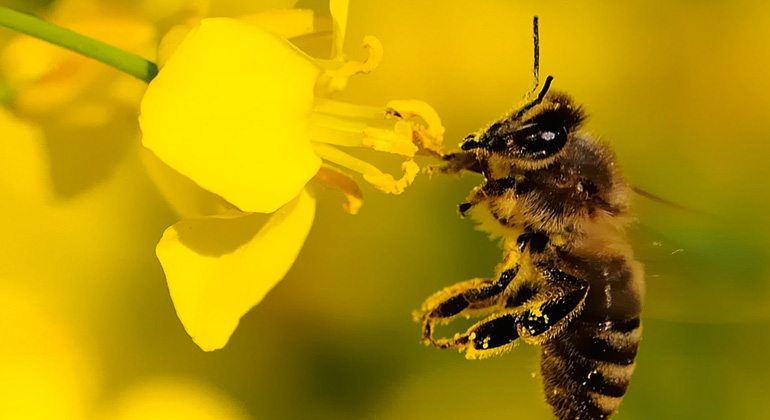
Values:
[(568, 281)]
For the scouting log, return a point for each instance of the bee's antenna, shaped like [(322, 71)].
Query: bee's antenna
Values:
[(540, 96), (536, 67), (536, 71), (546, 86)]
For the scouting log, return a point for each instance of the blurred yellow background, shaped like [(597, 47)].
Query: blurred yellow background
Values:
[(680, 89)]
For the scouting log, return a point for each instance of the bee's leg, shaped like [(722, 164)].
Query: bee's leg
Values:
[(537, 241), (537, 321), (493, 335), (492, 188), (478, 294), (477, 197), (547, 315), (526, 290), (499, 186), (462, 298)]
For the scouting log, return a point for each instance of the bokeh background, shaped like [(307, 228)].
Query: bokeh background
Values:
[(680, 89)]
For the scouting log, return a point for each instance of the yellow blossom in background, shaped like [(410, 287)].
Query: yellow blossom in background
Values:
[(169, 398), (46, 372), (245, 115), (86, 110), (52, 84), (50, 371)]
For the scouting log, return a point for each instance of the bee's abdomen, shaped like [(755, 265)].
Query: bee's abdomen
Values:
[(587, 369)]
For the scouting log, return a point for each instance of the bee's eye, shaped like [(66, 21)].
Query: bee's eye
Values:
[(539, 139), (537, 142)]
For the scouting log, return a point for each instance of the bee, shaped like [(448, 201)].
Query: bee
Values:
[(568, 281)]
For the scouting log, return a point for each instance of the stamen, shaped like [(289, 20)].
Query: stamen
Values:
[(346, 109), (333, 122), (377, 134), (380, 180), (338, 157), (387, 183), (428, 138), (341, 182), (397, 140), (372, 44), (328, 135)]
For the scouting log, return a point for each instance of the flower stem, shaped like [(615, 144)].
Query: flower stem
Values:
[(122, 60)]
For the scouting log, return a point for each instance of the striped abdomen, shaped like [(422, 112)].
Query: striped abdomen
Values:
[(587, 368)]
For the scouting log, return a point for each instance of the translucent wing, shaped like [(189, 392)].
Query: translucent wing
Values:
[(700, 268)]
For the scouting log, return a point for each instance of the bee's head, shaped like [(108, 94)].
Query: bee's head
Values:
[(533, 135)]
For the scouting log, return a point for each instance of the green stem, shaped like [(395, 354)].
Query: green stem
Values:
[(122, 60)]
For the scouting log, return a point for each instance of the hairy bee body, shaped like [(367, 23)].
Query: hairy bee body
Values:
[(587, 368), (568, 281)]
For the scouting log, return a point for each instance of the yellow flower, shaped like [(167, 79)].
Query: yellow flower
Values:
[(170, 398), (51, 372), (201, 115), (87, 110), (245, 115)]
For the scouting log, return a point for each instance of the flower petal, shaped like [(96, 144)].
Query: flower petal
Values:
[(286, 23), (186, 198), (243, 8), (217, 269), (230, 110), (170, 42)]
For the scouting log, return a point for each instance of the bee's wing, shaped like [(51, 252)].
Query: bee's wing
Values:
[(701, 272)]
